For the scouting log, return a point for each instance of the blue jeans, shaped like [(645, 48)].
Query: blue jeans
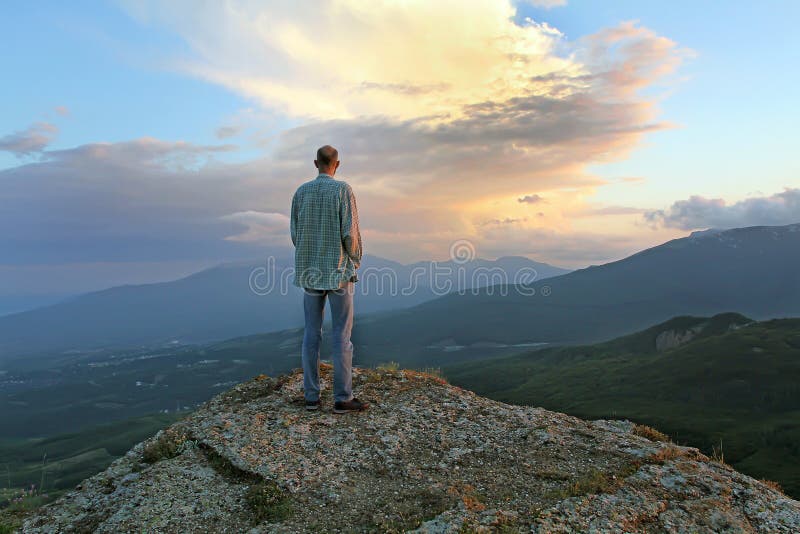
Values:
[(342, 317)]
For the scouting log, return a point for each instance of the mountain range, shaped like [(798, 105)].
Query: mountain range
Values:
[(406, 309), (754, 271), (236, 299)]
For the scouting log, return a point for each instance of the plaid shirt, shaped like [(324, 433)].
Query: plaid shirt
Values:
[(324, 227)]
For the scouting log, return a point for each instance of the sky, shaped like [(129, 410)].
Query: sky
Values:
[(144, 140)]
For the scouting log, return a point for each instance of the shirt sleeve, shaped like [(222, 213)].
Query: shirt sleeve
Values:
[(293, 220), (351, 234)]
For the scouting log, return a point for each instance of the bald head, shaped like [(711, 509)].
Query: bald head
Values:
[(327, 159)]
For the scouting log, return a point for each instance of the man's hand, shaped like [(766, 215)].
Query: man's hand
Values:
[(348, 246)]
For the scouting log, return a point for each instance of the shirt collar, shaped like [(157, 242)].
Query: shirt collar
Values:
[(324, 175)]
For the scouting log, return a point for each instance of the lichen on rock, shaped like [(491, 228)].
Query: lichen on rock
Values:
[(426, 457)]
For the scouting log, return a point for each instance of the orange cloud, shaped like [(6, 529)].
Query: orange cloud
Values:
[(443, 121)]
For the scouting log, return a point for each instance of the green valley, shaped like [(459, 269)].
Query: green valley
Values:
[(726, 384)]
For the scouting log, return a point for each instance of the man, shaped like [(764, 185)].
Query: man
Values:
[(325, 233)]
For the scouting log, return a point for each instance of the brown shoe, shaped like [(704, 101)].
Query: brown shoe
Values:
[(353, 405)]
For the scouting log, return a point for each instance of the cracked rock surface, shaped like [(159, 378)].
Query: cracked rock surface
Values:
[(427, 457)]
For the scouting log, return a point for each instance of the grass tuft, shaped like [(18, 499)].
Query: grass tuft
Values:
[(665, 454), (650, 433), (268, 502), (717, 454), (435, 372), (772, 485), (596, 481), (169, 444)]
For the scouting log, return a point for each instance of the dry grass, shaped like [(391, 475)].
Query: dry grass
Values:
[(468, 496), (428, 374), (650, 433), (665, 454), (434, 371), (772, 485), (717, 454)]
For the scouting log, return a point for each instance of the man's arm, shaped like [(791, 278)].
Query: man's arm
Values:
[(293, 220), (351, 234)]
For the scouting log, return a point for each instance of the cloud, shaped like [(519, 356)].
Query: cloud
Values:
[(144, 152), (405, 88), (62, 110), (570, 249), (425, 58), (530, 199), (438, 131), (700, 212), (507, 220), (547, 4), (610, 210), (142, 200), (32, 140), (260, 227), (226, 132), (488, 97)]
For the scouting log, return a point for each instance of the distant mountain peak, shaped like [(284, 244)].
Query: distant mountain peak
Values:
[(427, 456), (706, 233), (732, 232)]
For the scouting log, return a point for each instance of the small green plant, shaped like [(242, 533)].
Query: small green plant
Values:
[(596, 481), (169, 444), (7, 527), (408, 509), (21, 504), (268, 502), (388, 366), (549, 474)]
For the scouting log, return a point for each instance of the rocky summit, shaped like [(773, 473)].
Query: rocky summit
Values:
[(427, 457)]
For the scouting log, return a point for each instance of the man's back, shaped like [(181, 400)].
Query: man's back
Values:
[(324, 227), (325, 233)]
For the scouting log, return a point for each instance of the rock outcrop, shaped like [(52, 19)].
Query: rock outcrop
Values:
[(427, 457), (669, 339)]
